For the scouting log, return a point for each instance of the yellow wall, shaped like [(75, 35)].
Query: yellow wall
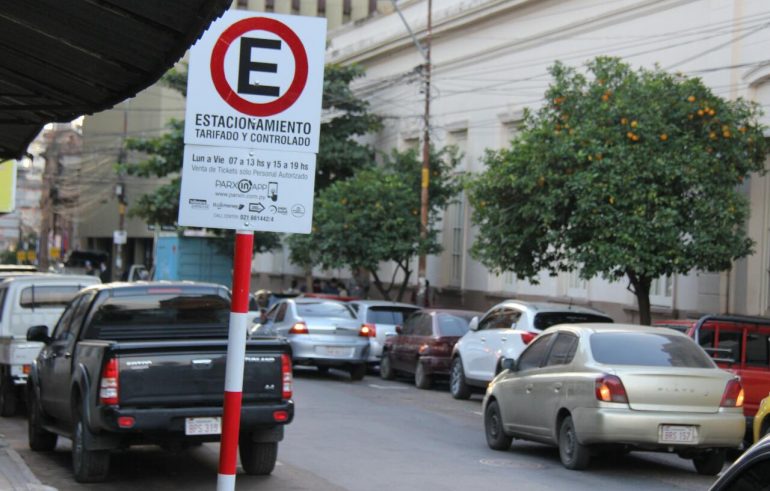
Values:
[(7, 186)]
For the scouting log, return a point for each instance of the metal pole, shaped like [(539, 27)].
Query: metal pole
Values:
[(422, 292), (236, 352)]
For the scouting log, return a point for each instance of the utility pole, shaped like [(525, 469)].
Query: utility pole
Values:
[(422, 284), (120, 194)]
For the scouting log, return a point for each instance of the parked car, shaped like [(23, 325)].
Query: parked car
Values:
[(379, 320), (322, 333), (422, 347), (761, 423), (26, 300), (503, 332), (751, 472), (584, 387), (138, 363), (739, 344)]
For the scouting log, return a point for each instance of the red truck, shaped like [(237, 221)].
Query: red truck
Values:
[(739, 344)]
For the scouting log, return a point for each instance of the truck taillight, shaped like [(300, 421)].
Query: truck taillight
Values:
[(367, 330), (299, 328), (733, 396), (527, 337), (609, 388), (109, 385), (286, 377)]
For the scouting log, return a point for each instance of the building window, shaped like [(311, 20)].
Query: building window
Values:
[(576, 286), (458, 219), (661, 291)]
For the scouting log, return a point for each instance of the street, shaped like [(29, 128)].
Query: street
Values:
[(371, 435)]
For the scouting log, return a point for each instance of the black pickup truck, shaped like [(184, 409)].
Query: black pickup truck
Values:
[(142, 363)]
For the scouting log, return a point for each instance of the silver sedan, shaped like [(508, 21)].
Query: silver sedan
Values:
[(322, 333), (594, 387)]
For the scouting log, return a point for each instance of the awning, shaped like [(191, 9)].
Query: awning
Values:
[(62, 59)]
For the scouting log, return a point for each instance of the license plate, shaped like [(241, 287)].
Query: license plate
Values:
[(337, 351), (203, 426), (677, 434)]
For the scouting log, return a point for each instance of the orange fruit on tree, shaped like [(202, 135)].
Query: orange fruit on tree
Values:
[(663, 137), (691, 98)]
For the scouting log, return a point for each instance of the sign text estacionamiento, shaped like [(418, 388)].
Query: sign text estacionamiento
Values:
[(253, 130)]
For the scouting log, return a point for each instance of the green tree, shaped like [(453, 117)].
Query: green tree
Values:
[(374, 217), (163, 158), (346, 117), (623, 172)]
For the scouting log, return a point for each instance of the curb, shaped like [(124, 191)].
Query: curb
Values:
[(15, 474)]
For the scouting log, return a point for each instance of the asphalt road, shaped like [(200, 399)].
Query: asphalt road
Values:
[(372, 435)]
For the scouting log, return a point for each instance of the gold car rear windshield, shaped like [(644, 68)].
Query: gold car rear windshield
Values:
[(648, 349)]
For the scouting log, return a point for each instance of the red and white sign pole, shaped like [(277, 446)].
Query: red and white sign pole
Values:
[(236, 352)]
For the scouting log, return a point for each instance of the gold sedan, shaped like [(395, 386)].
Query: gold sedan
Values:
[(614, 387), (762, 420)]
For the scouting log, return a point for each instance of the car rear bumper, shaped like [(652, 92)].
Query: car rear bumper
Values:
[(724, 428), (171, 421), (326, 352), (436, 365)]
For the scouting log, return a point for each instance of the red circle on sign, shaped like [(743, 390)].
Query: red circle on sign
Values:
[(218, 66)]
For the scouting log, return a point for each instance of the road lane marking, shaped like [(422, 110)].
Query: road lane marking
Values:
[(387, 387)]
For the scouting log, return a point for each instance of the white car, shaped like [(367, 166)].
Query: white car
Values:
[(503, 332), (379, 319)]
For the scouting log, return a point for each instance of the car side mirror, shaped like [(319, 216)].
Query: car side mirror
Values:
[(474, 324), (39, 334), (399, 330), (509, 364)]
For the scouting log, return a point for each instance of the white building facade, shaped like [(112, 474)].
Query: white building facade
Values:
[(489, 62)]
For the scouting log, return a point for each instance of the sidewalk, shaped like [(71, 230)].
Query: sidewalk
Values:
[(14, 473)]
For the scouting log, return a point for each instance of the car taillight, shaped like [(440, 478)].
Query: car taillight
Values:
[(609, 388), (109, 385), (368, 330), (527, 337), (299, 328), (286, 377), (733, 396), (435, 348)]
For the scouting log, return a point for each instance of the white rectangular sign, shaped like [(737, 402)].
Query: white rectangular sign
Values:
[(241, 189), (119, 236), (255, 80)]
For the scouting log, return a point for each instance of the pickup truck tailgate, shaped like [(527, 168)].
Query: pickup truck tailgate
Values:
[(193, 376)]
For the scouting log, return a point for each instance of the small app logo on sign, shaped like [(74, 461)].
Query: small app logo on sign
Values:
[(244, 185), (256, 207), (297, 211), (200, 204)]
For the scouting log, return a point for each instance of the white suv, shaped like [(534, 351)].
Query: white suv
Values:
[(503, 332)]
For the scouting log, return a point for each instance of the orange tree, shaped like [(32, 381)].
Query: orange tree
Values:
[(622, 173)]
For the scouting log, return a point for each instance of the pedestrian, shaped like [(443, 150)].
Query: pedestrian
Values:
[(90, 268)]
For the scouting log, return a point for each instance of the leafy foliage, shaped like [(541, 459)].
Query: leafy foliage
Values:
[(340, 154), (622, 172), (374, 217)]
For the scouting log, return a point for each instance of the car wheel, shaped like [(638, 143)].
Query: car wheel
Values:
[(710, 463), (457, 386), (493, 428), (357, 372), (573, 454), (40, 440), (386, 367), (421, 379), (8, 397), (258, 458), (87, 465)]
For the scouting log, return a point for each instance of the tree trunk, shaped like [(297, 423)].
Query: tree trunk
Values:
[(309, 279), (380, 287), (402, 290), (641, 288)]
